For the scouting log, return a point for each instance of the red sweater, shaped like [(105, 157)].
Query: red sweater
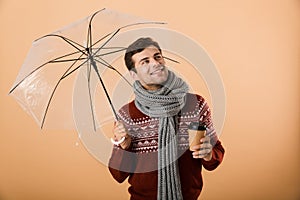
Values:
[(139, 162)]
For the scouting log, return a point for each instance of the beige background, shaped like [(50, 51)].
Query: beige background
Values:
[(254, 43)]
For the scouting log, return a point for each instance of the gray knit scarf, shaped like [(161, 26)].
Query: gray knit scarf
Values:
[(165, 103)]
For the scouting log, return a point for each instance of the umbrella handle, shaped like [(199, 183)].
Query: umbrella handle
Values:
[(117, 142)]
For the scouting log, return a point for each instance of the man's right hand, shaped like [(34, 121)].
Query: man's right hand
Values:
[(120, 132)]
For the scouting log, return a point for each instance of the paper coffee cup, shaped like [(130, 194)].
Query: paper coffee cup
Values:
[(196, 131)]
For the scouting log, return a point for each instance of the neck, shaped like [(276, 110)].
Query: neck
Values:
[(152, 87)]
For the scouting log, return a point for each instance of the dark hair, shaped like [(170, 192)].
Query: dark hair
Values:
[(136, 47)]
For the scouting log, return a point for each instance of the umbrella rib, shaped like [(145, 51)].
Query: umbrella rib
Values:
[(66, 55), (54, 90), (73, 70), (134, 24), (90, 95), (27, 76), (112, 52), (67, 60), (67, 40), (113, 34), (39, 67), (89, 35), (113, 48), (142, 23), (105, 63), (104, 88), (171, 59)]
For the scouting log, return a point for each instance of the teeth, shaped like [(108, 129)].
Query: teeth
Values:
[(159, 69)]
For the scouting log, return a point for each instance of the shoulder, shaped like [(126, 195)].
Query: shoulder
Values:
[(194, 97), (194, 101)]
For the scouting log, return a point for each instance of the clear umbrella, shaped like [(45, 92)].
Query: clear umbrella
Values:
[(45, 83)]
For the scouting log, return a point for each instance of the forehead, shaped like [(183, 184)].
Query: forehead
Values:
[(147, 52)]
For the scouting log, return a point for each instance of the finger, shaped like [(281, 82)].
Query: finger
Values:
[(203, 149), (205, 139), (119, 135), (121, 129), (204, 144), (201, 153), (196, 147), (119, 126), (198, 154)]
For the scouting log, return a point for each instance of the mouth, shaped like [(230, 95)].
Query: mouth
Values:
[(158, 70)]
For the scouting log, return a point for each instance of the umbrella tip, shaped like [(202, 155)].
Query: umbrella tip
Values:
[(11, 91)]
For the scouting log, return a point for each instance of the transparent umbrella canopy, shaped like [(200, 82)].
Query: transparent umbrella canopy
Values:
[(44, 86)]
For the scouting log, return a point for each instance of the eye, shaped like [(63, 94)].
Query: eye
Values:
[(145, 62), (158, 57)]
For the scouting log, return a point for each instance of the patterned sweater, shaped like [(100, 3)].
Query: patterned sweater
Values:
[(139, 162)]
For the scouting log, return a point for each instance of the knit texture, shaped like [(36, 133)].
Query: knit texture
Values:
[(165, 103)]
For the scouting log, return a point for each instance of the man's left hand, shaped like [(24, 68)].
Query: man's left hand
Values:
[(203, 150)]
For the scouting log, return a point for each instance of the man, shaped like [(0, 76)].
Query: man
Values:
[(154, 150)]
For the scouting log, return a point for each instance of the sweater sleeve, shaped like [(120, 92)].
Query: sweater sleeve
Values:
[(121, 164), (217, 157), (218, 150)]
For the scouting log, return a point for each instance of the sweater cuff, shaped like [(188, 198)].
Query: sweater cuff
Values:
[(121, 159), (216, 159)]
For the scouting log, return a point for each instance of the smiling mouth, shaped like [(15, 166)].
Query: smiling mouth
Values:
[(159, 69)]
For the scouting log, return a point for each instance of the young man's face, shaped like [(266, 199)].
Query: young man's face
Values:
[(150, 68)]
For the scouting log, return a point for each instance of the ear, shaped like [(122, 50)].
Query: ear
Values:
[(134, 75)]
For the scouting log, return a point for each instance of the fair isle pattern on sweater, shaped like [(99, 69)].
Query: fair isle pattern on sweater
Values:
[(144, 130)]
